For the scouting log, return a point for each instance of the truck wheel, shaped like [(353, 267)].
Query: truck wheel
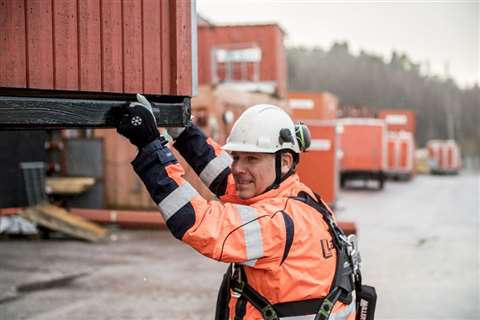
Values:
[(381, 182), (343, 181)]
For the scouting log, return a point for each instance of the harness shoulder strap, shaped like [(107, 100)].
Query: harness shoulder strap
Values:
[(342, 285), (343, 278)]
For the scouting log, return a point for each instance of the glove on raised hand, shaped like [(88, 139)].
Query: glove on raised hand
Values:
[(137, 122)]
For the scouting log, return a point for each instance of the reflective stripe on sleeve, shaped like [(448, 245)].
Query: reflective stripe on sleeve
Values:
[(176, 200), (252, 233), (215, 167)]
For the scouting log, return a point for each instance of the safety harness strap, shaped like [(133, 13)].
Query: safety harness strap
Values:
[(244, 290), (322, 308)]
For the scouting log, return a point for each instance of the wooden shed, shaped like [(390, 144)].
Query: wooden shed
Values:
[(97, 50)]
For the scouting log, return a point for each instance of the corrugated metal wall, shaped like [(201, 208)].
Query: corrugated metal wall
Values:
[(123, 46)]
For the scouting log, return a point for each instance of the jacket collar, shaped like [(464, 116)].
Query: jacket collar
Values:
[(289, 187)]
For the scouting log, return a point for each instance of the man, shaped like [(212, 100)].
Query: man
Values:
[(289, 259)]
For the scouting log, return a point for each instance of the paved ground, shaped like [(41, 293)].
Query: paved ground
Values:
[(419, 241), (420, 245)]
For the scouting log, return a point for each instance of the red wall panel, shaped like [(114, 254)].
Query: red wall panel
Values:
[(13, 67), (65, 45), (112, 46), (132, 46), (152, 46), (39, 35), (90, 41), (120, 46)]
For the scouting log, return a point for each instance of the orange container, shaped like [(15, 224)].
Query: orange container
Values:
[(313, 105), (363, 142), (401, 147), (119, 46), (398, 119), (444, 156), (318, 167)]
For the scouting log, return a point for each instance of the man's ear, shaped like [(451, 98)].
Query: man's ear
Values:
[(287, 162)]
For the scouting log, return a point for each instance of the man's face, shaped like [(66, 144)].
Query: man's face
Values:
[(253, 172)]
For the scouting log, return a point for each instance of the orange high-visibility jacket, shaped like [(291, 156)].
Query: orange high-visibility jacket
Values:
[(283, 244)]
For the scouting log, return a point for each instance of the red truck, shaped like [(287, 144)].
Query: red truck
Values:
[(319, 166), (363, 142), (401, 148), (444, 157)]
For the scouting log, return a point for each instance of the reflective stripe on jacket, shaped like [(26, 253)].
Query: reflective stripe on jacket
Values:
[(283, 243)]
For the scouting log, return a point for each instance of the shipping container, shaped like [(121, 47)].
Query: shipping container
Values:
[(56, 54), (250, 57), (444, 157), (363, 144), (400, 163), (313, 105), (318, 167), (399, 119)]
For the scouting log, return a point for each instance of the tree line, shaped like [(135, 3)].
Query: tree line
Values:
[(443, 110)]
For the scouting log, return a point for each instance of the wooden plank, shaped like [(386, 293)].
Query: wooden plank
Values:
[(44, 113), (40, 44), (58, 219), (12, 44), (89, 34), (69, 185), (183, 48), (132, 47), (112, 46), (167, 60), (152, 68), (65, 30)]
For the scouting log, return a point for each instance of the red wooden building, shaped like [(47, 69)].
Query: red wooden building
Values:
[(97, 46), (252, 56)]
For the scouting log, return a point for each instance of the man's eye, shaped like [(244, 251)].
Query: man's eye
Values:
[(252, 158)]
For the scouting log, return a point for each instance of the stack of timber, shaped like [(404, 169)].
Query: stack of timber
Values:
[(69, 185), (58, 219)]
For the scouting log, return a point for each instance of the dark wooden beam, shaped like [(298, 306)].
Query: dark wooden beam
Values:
[(40, 110)]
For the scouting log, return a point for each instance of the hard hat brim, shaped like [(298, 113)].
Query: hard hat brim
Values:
[(246, 148)]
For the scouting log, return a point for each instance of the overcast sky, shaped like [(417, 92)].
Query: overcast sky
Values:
[(445, 33)]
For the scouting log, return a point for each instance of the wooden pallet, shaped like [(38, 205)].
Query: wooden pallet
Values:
[(58, 219)]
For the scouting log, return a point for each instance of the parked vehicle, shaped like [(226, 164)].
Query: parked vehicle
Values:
[(400, 163), (363, 142), (444, 157), (313, 105), (398, 120), (319, 166)]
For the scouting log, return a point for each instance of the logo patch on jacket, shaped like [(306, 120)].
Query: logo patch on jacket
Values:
[(327, 248)]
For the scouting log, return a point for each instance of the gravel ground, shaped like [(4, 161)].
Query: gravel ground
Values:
[(419, 242)]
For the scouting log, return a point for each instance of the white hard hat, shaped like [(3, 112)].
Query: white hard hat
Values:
[(262, 128)]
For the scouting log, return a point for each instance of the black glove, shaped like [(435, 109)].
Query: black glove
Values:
[(137, 122)]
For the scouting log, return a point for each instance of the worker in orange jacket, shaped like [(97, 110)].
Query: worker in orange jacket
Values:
[(288, 258)]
